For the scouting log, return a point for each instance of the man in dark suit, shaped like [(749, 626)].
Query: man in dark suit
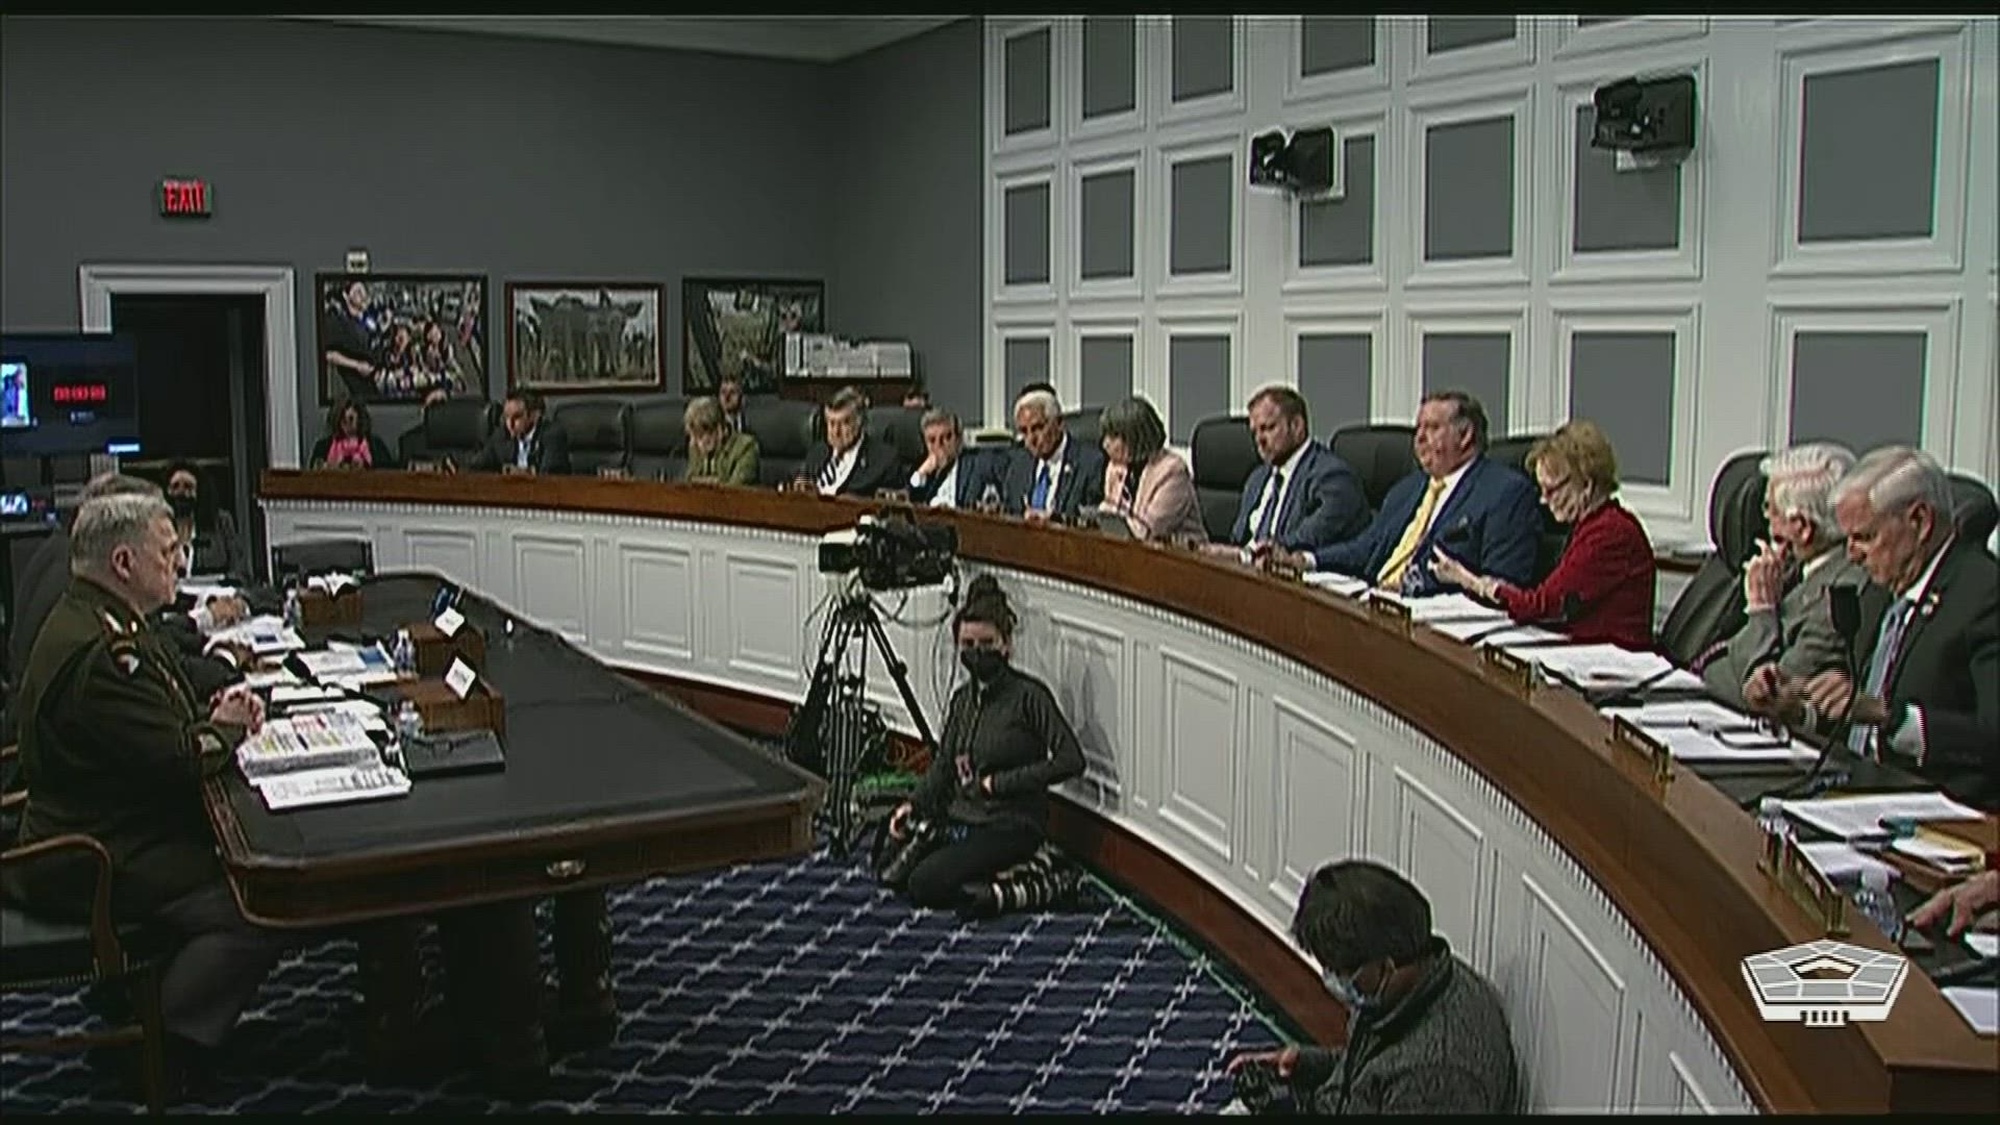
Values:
[(1303, 496), (849, 462), (951, 476), (1458, 499), (523, 442), (1929, 647), (1049, 475)]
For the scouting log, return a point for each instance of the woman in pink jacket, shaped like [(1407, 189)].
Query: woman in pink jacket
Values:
[(1147, 482)]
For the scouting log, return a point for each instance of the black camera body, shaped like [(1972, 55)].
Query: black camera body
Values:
[(1651, 115), (892, 551)]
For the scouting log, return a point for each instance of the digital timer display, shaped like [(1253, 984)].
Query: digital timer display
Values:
[(79, 394), (180, 198)]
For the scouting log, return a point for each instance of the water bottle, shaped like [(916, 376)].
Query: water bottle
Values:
[(294, 616), (405, 654), (1874, 900), (409, 724), (1776, 827)]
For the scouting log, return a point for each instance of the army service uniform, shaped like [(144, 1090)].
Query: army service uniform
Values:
[(114, 745)]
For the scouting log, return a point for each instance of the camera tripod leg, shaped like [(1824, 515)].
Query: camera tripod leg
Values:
[(900, 673)]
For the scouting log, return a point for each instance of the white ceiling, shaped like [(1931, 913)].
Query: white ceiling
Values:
[(809, 38)]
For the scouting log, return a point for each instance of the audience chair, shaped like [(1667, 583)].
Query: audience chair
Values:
[(600, 434), (44, 954), (1224, 456), (659, 439), (1710, 609), (1379, 455)]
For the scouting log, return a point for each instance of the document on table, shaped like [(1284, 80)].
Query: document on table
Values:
[(336, 786), (264, 636), (1496, 631), (1841, 862), (322, 740), (1608, 666), (1853, 818), (1985, 943), (345, 662), (1949, 855), (1444, 607), (1345, 585), (1979, 1006), (1701, 730), (331, 584)]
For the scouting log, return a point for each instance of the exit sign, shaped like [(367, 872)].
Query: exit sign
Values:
[(183, 198)]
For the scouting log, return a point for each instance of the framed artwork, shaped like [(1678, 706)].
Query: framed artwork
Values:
[(735, 328), (566, 337), (400, 337)]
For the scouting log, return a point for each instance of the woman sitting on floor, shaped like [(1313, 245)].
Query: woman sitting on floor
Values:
[(1005, 742)]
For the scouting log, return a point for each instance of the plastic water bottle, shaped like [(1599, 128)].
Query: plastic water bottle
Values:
[(1776, 827), (294, 615), (409, 724), (1873, 899), (405, 655)]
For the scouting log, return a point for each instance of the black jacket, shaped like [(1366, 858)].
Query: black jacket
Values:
[(1081, 483), (548, 453), (1012, 731), (877, 466)]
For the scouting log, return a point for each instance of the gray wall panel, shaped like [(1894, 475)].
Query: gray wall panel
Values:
[(1026, 229), (1478, 363), (1868, 153), (1024, 361), (1341, 232), (1613, 210), (1469, 190), (1455, 33), (1202, 196), (1203, 56), (1336, 377), (1027, 82), (1109, 65), (1624, 381), (1862, 389), (1106, 226), (1198, 381), (1330, 44), (1107, 369)]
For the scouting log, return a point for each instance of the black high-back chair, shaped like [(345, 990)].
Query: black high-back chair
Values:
[(1380, 455), (784, 431), (307, 557), (600, 434), (1710, 609), (1973, 508), (1512, 451), (1085, 425), (659, 439), (454, 427), (1224, 455), (902, 428)]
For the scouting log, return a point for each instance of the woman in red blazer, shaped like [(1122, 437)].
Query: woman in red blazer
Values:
[(1601, 589)]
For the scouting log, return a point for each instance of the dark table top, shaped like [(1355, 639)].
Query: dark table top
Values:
[(585, 747)]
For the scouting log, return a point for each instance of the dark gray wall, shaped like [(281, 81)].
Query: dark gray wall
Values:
[(512, 158), (908, 199)]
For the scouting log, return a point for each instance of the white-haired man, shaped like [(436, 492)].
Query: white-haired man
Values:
[(115, 745), (1929, 651), (1788, 631), (1048, 474)]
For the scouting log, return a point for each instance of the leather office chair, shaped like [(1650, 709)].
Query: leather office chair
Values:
[(307, 557), (784, 430), (1973, 508), (902, 428), (659, 439), (600, 434), (1512, 451), (1710, 609), (1084, 425), (1379, 455), (454, 427), (1224, 456)]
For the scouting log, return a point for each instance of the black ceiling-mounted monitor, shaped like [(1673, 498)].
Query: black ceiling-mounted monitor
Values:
[(68, 393)]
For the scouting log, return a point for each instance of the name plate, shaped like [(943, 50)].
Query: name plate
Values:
[(449, 622), (1655, 753), (460, 678), (1390, 614), (423, 466), (612, 472), (1508, 669), (1798, 878)]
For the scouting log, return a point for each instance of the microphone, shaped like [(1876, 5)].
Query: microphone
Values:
[(1843, 605)]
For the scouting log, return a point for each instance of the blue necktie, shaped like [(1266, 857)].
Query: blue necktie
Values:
[(1269, 517), (1039, 499), (1880, 663)]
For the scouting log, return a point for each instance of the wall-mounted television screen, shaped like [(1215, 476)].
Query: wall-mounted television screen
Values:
[(68, 393)]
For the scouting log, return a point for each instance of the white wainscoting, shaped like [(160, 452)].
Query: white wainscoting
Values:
[(1248, 768)]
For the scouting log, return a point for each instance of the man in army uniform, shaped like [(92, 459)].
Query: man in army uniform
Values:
[(114, 745)]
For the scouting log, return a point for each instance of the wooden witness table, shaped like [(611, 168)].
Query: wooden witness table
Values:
[(1675, 861)]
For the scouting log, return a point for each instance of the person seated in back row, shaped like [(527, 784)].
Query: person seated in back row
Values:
[(849, 462), (350, 441), (1303, 496), (207, 530), (1144, 481), (1601, 589), (951, 476), (984, 801), (1425, 1032), (717, 452), (1483, 512), (1048, 474), (526, 440)]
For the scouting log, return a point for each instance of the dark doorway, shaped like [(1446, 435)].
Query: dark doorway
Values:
[(201, 395)]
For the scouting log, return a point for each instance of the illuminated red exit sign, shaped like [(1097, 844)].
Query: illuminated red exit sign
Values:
[(183, 198)]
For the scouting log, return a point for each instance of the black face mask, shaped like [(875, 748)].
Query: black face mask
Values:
[(183, 506), (983, 663)]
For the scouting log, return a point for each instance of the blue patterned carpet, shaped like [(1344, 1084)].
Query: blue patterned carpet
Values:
[(775, 988)]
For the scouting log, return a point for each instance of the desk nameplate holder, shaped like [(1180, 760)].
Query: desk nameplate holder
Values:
[(1513, 672), (1795, 874), (1390, 614), (1628, 735)]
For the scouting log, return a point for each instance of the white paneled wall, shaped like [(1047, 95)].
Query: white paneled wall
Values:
[(1248, 769), (1734, 292)]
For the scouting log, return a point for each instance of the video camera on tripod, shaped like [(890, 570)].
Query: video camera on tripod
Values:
[(891, 551)]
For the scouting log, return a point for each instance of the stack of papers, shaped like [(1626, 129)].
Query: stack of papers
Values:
[(1842, 863), (1495, 631), (1608, 666), (1444, 607), (331, 584), (1345, 585), (270, 677), (264, 636), (1979, 1006), (1856, 818), (318, 740), (1700, 730), (349, 666), (336, 786), (1947, 854)]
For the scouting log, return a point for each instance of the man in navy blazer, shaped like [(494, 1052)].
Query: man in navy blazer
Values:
[(1303, 497), (1482, 513), (527, 439), (849, 462), (1048, 474), (951, 475)]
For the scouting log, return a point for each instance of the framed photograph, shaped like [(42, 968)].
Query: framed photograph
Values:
[(566, 337), (735, 328), (400, 337)]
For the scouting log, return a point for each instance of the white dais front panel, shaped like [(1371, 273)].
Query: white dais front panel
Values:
[(1247, 769)]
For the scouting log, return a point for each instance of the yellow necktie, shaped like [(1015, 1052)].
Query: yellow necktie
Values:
[(1391, 577)]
